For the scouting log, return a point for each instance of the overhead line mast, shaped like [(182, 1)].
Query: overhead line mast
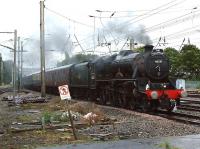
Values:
[(42, 48)]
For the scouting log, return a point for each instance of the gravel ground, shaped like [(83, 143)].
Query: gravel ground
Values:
[(139, 125)]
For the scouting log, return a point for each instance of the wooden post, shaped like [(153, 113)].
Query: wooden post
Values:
[(65, 95), (71, 119), (43, 123)]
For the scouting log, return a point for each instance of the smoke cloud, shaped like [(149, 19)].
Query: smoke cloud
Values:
[(57, 42), (120, 29)]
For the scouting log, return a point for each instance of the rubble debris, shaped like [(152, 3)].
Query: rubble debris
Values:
[(21, 127), (90, 117), (24, 99), (101, 137), (33, 111), (68, 138), (75, 115), (16, 123), (64, 130)]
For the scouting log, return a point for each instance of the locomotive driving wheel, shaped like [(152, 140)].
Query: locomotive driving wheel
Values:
[(145, 104), (122, 98), (103, 97), (171, 107), (132, 103), (116, 101)]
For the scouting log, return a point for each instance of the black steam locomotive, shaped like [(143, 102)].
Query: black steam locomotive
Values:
[(128, 79)]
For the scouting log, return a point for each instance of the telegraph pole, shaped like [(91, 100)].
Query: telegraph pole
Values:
[(21, 64), (18, 65), (94, 32), (94, 36), (1, 69), (42, 46), (14, 64)]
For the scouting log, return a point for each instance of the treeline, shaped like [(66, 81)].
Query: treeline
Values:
[(5, 72), (186, 62)]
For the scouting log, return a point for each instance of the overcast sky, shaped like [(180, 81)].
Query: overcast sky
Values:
[(23, 15)]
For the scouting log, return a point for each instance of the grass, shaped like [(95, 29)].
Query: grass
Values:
[(54, 116), (24, 118), (167, 145), (47, 116)]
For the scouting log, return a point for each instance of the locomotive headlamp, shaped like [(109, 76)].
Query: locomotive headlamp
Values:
[(154, 95), (183, 94)]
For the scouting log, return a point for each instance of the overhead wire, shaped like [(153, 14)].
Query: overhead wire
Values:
[(170, 22), (142, 10), (119, 38), (108, 30), (180, 33), (72, 20), (157, 11), (151, 13)]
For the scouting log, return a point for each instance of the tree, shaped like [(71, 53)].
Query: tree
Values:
[(7, 72), (139, 49), (190, 61), (174, 59)]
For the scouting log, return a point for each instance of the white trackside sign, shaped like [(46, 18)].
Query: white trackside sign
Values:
[(64, 92), (180, 84)]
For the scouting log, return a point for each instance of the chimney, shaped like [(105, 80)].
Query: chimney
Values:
[(148, 48)]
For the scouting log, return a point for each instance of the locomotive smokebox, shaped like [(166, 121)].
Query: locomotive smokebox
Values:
[(148, 48)]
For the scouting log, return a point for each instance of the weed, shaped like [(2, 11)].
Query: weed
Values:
[(24, 118), (47, 116), (167, 145)]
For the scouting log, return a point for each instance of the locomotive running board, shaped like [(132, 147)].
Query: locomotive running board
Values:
[(116, 80), (124, 79)]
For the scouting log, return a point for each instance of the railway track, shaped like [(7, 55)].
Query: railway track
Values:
[(175, 116), (189, 109), (190, 100), (180, 117), (190, 104), (186, 107), (4, 90), (194, 94)]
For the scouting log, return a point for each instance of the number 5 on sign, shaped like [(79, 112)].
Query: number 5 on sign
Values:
[(64, 92)]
